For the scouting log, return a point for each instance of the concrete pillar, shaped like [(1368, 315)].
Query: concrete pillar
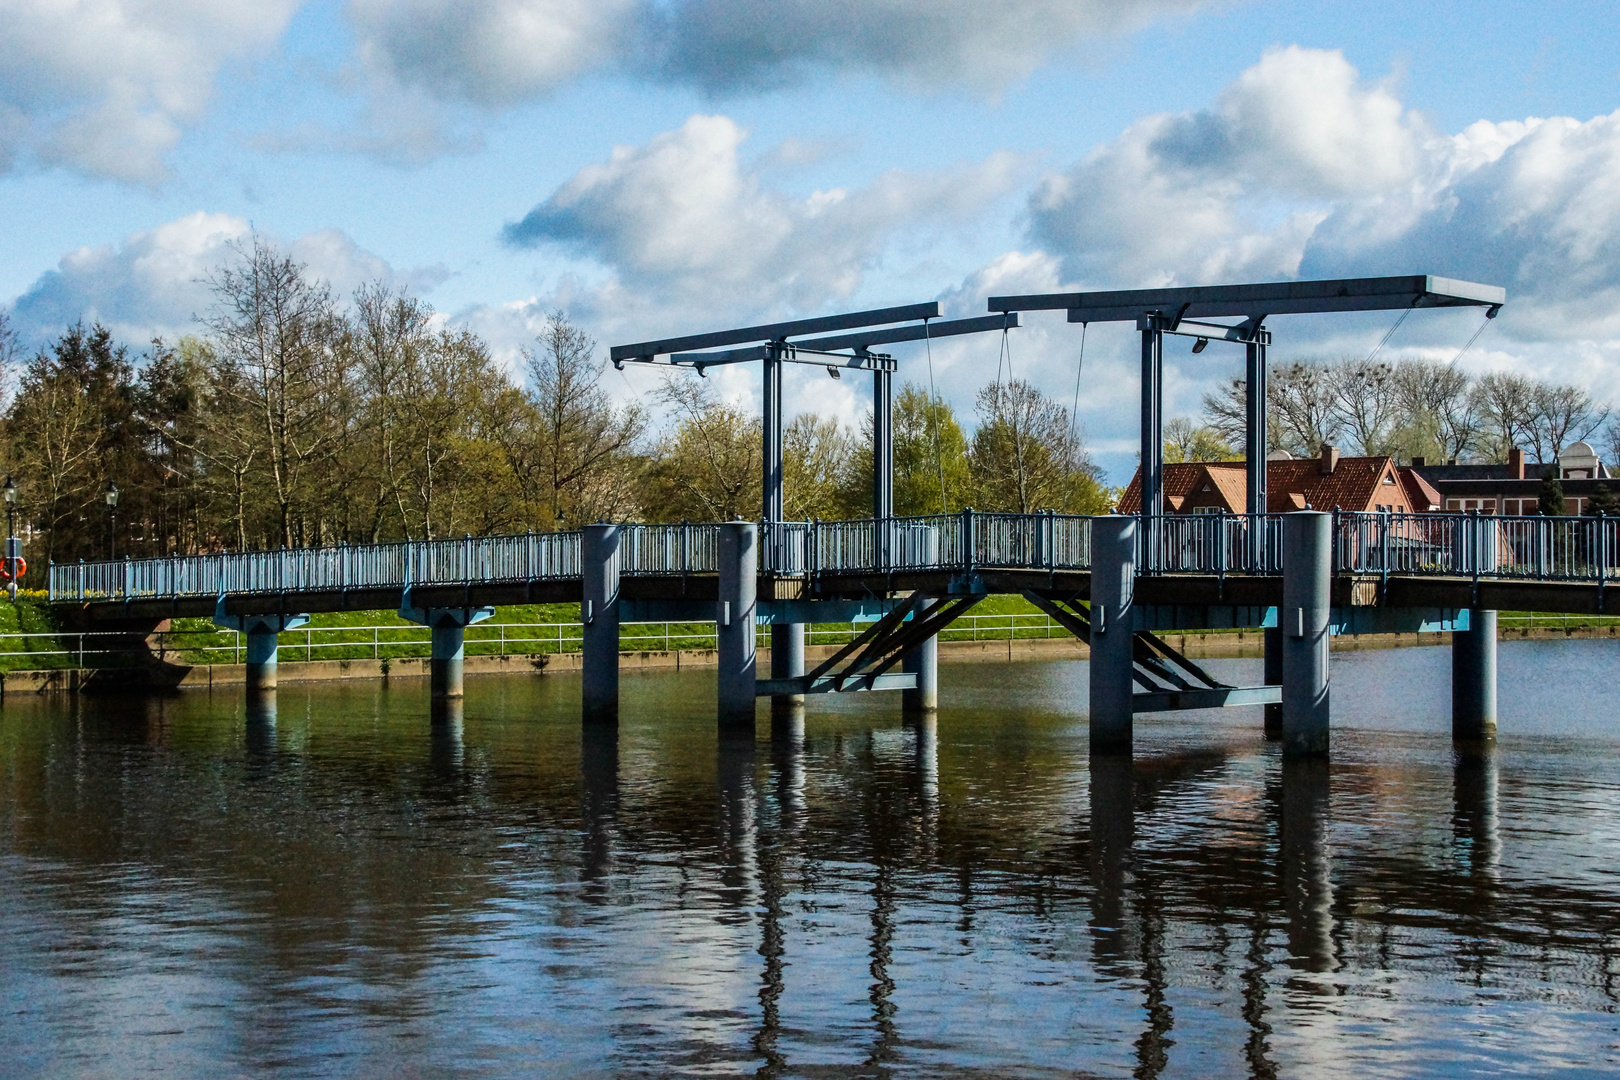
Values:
[(739, 567), (923, 660), (260, 631), (449, 627), (446, 751), (1273, 638), (599, 612), (1306, 565), (787, 662), (261, 656), (1473, 677), (1113, 589), (446, 663)]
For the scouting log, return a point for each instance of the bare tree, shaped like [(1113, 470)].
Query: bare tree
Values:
[(707, 466), (1186, 441), (1563, 415), (1363, 403), (583, 444), (1506, 404), (277, 331), (1436, 400)]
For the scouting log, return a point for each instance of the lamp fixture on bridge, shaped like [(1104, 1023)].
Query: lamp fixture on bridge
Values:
[(834, 372), (1200, 345)]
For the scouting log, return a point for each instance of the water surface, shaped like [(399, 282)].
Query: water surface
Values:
[(343, 884)]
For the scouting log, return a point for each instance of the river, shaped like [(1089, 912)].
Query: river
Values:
[(336, 885)]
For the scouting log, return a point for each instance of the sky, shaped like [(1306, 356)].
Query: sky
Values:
[(660, 167)]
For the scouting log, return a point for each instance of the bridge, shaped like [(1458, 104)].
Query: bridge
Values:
[(1115, 582), (907, 578)]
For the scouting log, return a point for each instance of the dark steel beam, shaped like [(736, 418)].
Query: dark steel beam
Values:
[(863, 339), (1260, 300), (646, 350)]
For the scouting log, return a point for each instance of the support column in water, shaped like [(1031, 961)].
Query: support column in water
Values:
[(787, 662), (1113, 590), (261, 631), (1272, 637), (1473, 677), (1303, 617), (449, 626), (599, 612), (923, 660), (734, 625)]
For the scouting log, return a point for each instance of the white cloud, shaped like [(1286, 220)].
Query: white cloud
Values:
[(155, 282), (105, 87), (682, 219)]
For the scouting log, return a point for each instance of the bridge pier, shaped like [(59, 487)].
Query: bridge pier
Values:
[(923, 661), (787, 662), (1113, 590), (449, 626), (261, 631), (1303, 619), (1272, 640), (1473, 678), (599, 612), (734, 625)]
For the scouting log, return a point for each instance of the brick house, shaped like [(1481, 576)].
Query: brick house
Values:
[(1514, 489), (1368, 484)]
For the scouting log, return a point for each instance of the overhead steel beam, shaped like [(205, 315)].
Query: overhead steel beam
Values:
[(1259, 300), (646, 350), (791, 354), (862, 339)]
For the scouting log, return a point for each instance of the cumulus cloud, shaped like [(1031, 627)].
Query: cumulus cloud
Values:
[(683, 218), (155, 282), (1301, 168), (506, 51), (105, 87)]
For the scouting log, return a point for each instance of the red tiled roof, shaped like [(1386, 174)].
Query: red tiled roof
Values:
[(1357, 483)]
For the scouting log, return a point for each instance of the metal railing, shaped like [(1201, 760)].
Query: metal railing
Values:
[(1464, 545)]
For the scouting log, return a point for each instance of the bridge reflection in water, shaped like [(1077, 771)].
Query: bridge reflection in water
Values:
[(971, 887)]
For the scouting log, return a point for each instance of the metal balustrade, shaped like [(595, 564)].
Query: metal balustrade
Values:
[(1458, 545)]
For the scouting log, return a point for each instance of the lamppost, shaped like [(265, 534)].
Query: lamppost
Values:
[(112, 520), (13, 549)]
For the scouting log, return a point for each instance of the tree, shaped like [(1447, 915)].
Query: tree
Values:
[(1552, 496), (583, 446), (1026, 455), (1186, 441), (276, 334), (931, 473), (1563, 415), (1436, 410), (816, 452), (707, 466), (1507, 410), (1602, 501), (1364, 403)]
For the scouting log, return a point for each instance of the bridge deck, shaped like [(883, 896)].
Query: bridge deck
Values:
[(1388, 560)]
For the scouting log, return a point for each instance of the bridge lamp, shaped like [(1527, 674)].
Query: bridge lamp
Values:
[(1200, 345), (111, 495), (834, 372)]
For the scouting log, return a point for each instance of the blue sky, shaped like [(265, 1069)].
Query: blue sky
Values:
[(686, 164)]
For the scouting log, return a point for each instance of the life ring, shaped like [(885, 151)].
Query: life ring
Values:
[(6, 571)]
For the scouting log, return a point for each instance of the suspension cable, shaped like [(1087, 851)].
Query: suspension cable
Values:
[(1470, 345), (1387, 335)]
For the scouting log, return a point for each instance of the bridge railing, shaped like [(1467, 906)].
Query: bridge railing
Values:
[(1585, 549), (965, 541)]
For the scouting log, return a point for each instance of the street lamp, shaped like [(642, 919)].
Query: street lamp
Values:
[(112, 519), (13, 551)]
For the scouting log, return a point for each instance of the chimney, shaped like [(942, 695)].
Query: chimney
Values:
[(1330, 459), (1516, 464), (1419, 462)]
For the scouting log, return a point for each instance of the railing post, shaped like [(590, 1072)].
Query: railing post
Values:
[(969, 549)]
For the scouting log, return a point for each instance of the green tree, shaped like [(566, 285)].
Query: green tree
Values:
[(1027, 455), (931, 473), (1552, 496), (706, 467), (816, 453), (1186, 441), (1601, 501)]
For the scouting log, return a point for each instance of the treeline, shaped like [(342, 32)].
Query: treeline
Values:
[(296, 418), (1407, 409)]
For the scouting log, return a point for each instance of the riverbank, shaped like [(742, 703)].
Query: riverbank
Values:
[(158, 676)]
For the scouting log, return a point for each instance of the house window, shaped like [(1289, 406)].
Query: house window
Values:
[(1521, 507), (1575, 504), (1462, 506), (1206, 509), (1388, 479)]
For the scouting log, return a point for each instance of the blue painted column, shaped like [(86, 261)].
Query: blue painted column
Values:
[(261, 631), (1306, 554), (599, 611), (787, 662), (734, 625), (446, 661), (1113, 592), (1473, 677), (923, 661)]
